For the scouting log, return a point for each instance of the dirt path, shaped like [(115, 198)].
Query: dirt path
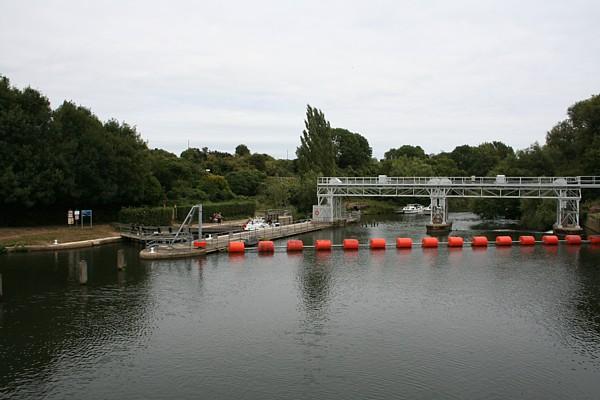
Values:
[(47, 234)]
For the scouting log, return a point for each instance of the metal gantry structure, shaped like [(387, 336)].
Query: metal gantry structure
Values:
[(566, 190)]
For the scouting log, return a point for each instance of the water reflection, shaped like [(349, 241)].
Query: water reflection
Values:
[(445, 323), (315, 280), (51, 322)]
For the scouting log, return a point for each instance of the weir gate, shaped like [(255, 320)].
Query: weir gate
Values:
[(566, 191)]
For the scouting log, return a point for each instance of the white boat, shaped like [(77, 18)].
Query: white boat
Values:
[(258, 223), (412, 209), (427, 210), (255, 223)]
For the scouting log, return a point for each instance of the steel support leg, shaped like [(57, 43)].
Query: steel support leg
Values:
[(567, 213), (439, 207)]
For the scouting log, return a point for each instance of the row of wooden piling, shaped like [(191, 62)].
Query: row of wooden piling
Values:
[(268, 246), (82, 270)]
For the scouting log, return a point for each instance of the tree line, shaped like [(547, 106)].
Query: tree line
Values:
[(55, 159)]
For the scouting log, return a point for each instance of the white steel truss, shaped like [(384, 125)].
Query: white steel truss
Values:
[(567, 190)]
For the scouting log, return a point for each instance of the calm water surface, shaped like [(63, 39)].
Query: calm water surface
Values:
[(427, 323)]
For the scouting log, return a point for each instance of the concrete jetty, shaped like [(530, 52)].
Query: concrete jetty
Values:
[(220, 242)]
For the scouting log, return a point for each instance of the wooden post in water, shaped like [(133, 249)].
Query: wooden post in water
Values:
[(83, 276), (121, 259), (0, 286)]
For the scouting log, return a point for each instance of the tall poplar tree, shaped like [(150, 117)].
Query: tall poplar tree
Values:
[(317, 150)]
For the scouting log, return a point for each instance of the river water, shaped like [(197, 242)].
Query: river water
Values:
[(492, 323)]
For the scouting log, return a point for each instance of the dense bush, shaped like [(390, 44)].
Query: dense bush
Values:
[(538, 214), (228, 209), (146, 215), (245, 182)]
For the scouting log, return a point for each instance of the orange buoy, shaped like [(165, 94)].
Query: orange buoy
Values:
[(594, 239), (503, 241), (404, 243), (455, 241), (429, 242), (573, 239), (526, 240), (377, 244), (236, 247), (199, 244), (551, 240), (322, 244), (266, 246), (350, 244), (479, 241), (295, 245)]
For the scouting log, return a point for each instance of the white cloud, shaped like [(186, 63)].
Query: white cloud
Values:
[(437, 74)]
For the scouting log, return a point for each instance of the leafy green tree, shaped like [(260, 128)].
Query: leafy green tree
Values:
[(317, 150), (494, 208), (277, 191), (182, 192), (195, 156), (574, 143), (216, 187), (405, 166), (259, 161), (168, 169), (245, 182), (405, 151), (103, 164), (482, 159), (538, 214), (352, 149), (29, 174), (242, 150), (443, 165), (304, 192)]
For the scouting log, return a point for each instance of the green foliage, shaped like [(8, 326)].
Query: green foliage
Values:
[(242, 150), (405, 166), (574, 144), (277, 191), (245, 182), (217, 187), (230, 210), (317, 150), (538, 214), (443, 165), (67, 157), (405, 151), (195, 156), (352, 149), (53, 160), (496, 208), (153, 216), (304, 192), (186, 192), (482, 159), (3, 250)]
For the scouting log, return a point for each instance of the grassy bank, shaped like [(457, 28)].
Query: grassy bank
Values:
[(47, 234)]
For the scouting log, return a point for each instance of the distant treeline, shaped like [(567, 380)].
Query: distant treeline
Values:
[(53, 160)]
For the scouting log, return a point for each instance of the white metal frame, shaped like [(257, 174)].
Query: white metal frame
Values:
[(567, 190)]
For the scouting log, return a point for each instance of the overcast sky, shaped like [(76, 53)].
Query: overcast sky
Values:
[(432, 73)]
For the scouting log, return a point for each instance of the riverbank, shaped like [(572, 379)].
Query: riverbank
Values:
[(43, 238)]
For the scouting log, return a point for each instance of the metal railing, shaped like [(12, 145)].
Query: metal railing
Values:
[(154, 236), (273, 232), (500, 180)]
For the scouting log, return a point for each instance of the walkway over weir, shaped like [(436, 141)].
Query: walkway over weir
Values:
[(566, 190)]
